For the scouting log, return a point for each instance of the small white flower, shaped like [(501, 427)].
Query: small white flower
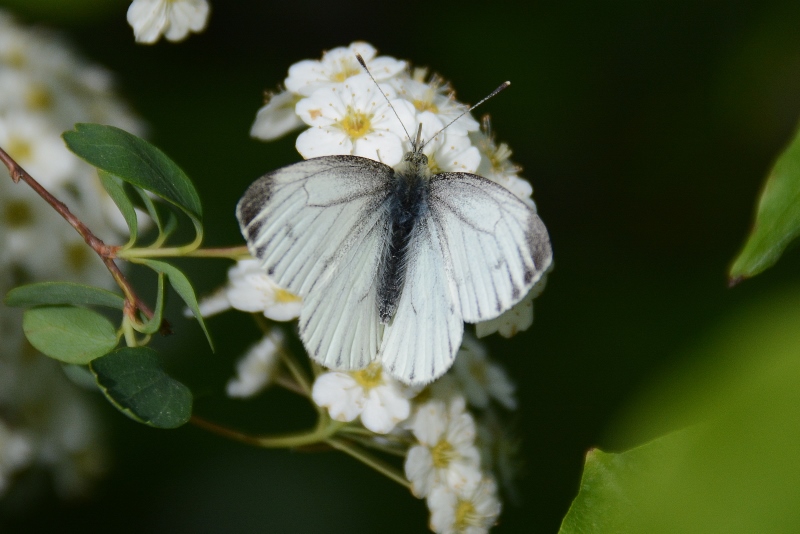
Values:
[(446, 152), (446, 454), (435, 97), (338, 65), (257, 367), (381, 401), (36, 145), (354, 118), (517, 319), (496, 165), (150, 19), (471, 511), (500, 452), (276, 117), (480, 378), (250, 289)]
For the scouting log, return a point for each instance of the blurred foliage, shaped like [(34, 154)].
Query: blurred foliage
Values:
[(777, 219), (646, 129), (736, 468)]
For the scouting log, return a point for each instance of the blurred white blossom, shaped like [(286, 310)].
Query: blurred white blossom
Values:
[(44, 89), (250, 289), (370, 393), (257, 367), (446, 453), (480, 378), (174, 19), (15, 454), (467, 511)]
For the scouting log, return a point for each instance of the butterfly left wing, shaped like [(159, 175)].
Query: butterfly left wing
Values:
[(318, 227), (496, 246)]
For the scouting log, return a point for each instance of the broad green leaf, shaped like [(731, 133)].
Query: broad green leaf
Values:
[(117, 193), (182, 287), (152, 326), (133, 380), (777, 217), (53, 293), (70, 335), (135, 161), (736, 469), (607, 502)]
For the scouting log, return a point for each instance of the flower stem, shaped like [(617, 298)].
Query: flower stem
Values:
[(233, 253), (107, 253), (320, 434), (366, 458)]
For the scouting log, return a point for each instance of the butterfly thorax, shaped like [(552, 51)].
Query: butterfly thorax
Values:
[(407, 202)]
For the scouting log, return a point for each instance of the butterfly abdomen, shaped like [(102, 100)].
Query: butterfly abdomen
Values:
[(408, 201)]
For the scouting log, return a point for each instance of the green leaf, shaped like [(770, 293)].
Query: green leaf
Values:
[(607, 502), (152, 326), (70, 335), (133, 380), (117, 193), (182, 286), (53, 293), (777, 217), (151, 210), (135, 161)]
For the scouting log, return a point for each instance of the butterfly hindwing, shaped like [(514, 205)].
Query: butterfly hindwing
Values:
[(421, 341), (319, 227), (496, 246)]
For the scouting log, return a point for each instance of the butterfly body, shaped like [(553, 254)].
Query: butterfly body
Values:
[(392, 262)]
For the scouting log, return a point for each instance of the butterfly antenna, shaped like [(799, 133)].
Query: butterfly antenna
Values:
[(487, 97), (364, 64)]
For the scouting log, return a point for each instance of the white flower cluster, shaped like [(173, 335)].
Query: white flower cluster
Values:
[(343, 112), (174, 19), (451, 461), (44, 90)]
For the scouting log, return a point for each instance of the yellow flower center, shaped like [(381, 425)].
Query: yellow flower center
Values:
[(442, 454), (426, 105), (77, 256), (19, 149), (17, 214), (355, 123), (370, 377), (284, 297), (39, 98), (478, 370), (346, 69), (465, 515)]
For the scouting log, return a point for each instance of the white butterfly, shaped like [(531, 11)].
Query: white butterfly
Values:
[(392, 262)]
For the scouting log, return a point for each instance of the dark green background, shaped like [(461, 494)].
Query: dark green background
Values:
[(646, 129)]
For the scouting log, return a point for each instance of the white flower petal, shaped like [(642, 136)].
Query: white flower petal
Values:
[(257, 367), (276, 118)]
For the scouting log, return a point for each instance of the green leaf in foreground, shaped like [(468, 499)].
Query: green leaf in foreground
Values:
[(182, 287), (135, 161), (70, 335), (133, 380), (66, 293), (736, 470), (777, 217)]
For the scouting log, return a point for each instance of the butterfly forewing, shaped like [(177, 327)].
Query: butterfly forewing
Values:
[(319, 226), (496, 247)]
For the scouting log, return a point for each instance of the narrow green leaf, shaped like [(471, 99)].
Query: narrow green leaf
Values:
[(182, 286), (70, 335), (117, 193), (133, 380), (136, 161), (53, 293), (777, 217), (152, 326)]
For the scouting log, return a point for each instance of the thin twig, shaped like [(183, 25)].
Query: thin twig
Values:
[(107, 253)]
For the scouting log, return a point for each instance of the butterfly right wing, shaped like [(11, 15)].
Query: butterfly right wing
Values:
[(319, 227)]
